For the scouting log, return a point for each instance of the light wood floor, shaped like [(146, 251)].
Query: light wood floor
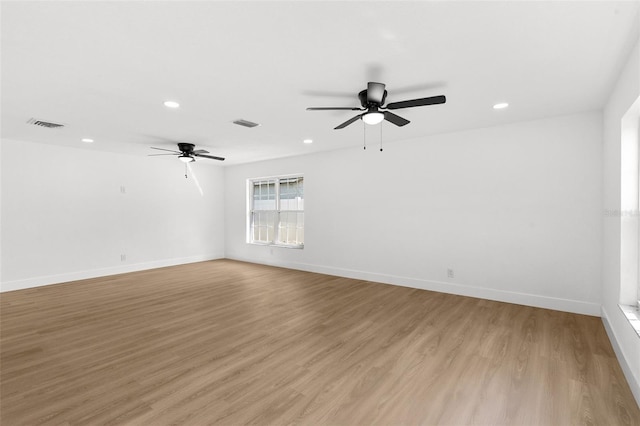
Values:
[(226, 342)]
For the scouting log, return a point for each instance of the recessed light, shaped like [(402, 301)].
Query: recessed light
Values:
[(307, 141), (501, 105), (171, 104), (87, 140)]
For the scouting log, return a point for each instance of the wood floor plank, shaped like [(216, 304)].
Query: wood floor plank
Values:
[(226, 342)]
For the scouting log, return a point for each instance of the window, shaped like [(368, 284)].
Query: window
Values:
[(276, 211), (629, 215)]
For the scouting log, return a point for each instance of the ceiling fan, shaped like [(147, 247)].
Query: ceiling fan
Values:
[(187, 153), (372, 100)]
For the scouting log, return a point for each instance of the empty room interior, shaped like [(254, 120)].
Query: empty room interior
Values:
[(320, 213)]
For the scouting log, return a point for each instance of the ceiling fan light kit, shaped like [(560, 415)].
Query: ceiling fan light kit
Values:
[(373, 118)]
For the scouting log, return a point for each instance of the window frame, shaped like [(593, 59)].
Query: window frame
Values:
[(278, 211)]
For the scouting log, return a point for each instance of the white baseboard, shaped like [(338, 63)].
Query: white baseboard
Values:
[(634, 384), (538, 301), (101, 272)]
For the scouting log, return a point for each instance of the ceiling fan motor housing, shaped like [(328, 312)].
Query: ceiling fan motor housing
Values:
[(366, 104), (187, 148)]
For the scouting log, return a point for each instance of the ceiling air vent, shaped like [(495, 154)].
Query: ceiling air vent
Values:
[(245, 123), (46, 124)]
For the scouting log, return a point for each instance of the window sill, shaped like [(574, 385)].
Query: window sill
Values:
[(633, 315), (277, 245)]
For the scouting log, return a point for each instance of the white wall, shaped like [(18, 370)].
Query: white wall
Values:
[(64, 216), (625, 340), (515, 211)]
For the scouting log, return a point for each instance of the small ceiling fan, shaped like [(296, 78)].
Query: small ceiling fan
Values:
[(372, 100), (187, 153)]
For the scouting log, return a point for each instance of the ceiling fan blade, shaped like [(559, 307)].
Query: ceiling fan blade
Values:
[(334, 109), (375, 92), (154, 155), (433, 100), (328, 94), (200, 151), (162, 149), (395, 119), (208, 156), (346, 123)]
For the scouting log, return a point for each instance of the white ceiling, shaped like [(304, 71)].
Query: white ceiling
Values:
[(105, 68)]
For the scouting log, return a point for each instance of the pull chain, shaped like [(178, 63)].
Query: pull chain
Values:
[(185, 170), (380, 137), (364, 134)]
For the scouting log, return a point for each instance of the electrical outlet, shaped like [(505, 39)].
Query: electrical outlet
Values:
[(123, 190), (123, 258), (450, 273)]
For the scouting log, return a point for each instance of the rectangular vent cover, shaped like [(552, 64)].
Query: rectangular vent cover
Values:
[(46, 124), (245, 123)]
